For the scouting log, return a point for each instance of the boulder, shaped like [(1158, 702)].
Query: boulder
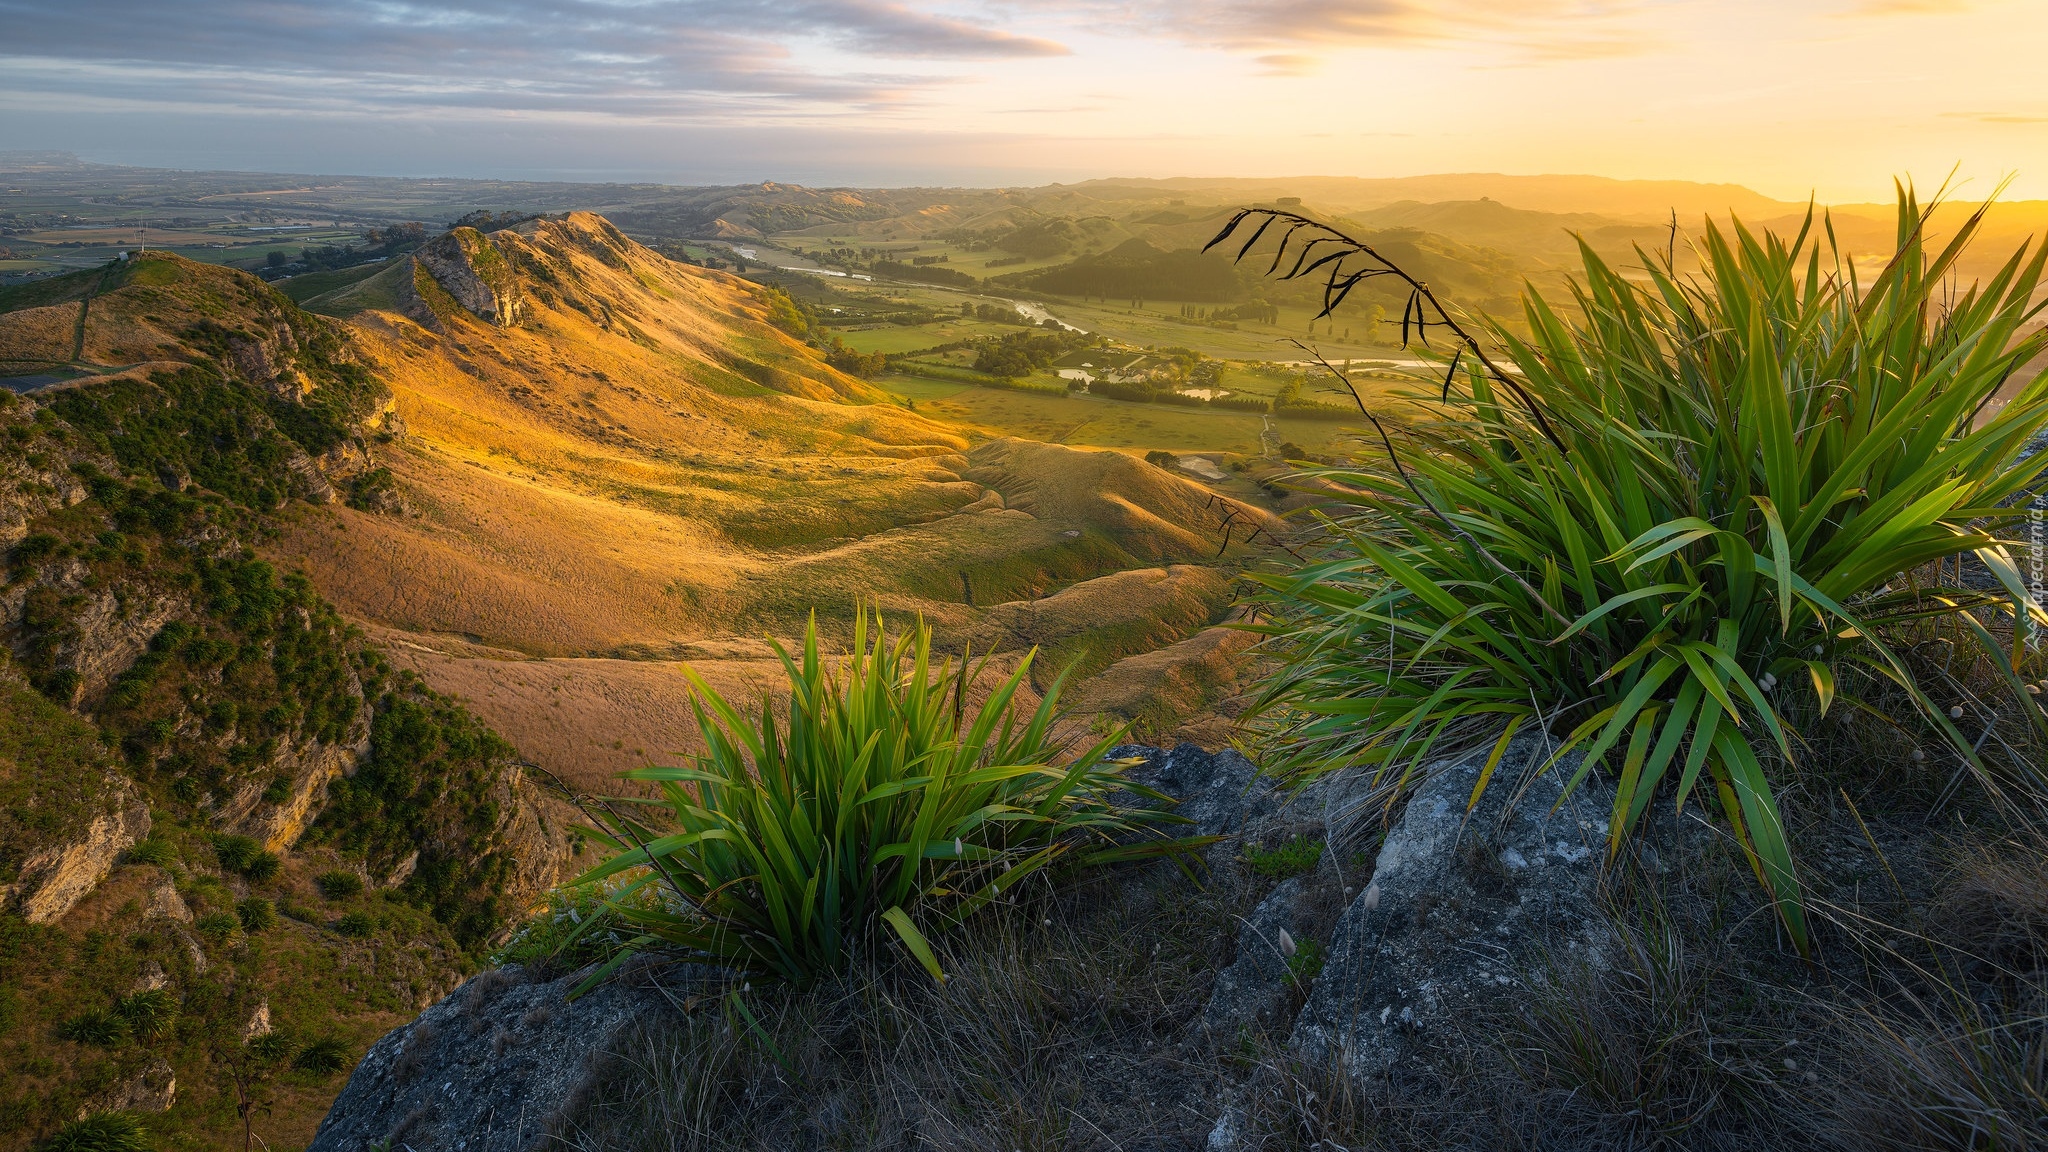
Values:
[(1459, 906), (495, 1065), (152, 1088), (1219, 792)]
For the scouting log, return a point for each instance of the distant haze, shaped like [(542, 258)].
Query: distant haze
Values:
[(1788, 97)]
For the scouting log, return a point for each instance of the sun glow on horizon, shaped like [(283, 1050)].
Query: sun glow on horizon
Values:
[(1823, 97)]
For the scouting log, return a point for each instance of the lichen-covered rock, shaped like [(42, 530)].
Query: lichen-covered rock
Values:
[(494, 1066), (1250, 992), (1464, 904), (1218, 792)]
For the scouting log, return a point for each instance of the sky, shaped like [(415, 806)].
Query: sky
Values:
[(1789, 97)]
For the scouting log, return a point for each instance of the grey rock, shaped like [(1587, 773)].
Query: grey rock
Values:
[(494, 1066), (1464, 905), (1220, 792), (1251, 991), (153, 1088)]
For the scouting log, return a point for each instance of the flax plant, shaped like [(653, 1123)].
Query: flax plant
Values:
[(879, 797), (1672, 522)]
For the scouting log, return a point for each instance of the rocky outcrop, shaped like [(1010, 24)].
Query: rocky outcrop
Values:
[(310, 766), (532, 832), (151, 1088), (53, 879), (494, 1067), (1458, 907), (1248, 993), (469, 268), (104, 635), (40, 479), (414, 287), (269, 360)]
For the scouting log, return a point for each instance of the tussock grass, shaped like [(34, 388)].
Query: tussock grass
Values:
[(1684, 512), (878, 798)]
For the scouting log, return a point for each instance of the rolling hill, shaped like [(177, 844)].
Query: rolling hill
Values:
[(609, 457)]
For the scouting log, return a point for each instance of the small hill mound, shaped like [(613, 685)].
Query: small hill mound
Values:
[(1150, 512)]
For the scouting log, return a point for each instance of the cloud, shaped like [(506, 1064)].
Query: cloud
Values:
[(642, 58), (1911, 7), (1550, 29), (1286, 64)]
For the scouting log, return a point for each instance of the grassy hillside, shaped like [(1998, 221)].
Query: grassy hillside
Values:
[(650, 462)]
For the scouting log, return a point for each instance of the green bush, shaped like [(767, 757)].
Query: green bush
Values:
[(879, 795), (150, 1013), (1295, 857), (1689, 545), (152, 851), (104, 1132), (218, 926), (578, 926), (236, 853), (356, 924), (262, 867), (96, 1026), (326, 1056), (339, 885), (257, 914)]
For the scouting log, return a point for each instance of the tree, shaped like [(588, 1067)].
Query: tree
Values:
[(244, 1064)]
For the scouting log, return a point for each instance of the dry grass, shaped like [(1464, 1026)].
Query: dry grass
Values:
[(39, 335), (611, 488), (1065, 1025), (643, 470)]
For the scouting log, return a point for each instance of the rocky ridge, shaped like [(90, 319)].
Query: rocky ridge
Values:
[(504, 1058)]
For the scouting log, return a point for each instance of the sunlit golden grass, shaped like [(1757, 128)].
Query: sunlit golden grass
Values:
[(606, 485)]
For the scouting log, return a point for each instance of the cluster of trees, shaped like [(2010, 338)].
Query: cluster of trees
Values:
[(484, 220), (926, 274), (1022, 353), (1041, 239), (1289, 401), (866, 365), (998, 314), (800, 320), (1257, 311)]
